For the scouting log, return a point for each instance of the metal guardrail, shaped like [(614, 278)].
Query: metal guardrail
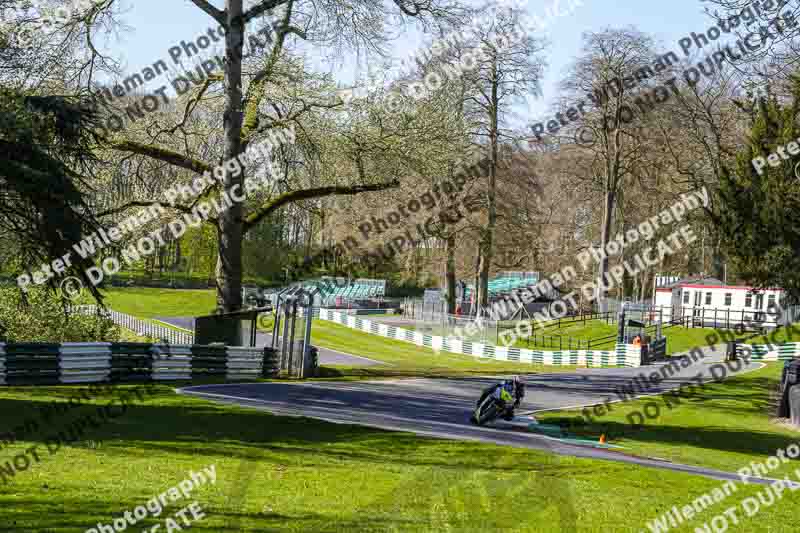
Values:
[(90, 362), (560, 342), (608, 317)]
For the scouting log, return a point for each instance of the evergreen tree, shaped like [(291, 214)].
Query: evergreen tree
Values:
[(46, 155), (760, 216)]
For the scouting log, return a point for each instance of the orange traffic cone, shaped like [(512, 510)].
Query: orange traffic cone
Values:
[(603, 438)]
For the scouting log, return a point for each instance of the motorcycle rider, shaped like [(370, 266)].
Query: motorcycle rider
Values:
[(507, 394)]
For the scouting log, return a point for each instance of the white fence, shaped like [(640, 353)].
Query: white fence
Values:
[(621, 355), (141, 327)]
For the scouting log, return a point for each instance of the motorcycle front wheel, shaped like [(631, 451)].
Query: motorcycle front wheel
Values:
[(487, 411)]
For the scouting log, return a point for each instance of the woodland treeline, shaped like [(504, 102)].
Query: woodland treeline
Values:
[(535, 204)]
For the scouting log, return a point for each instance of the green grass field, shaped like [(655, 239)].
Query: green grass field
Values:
[(403, 358), (680, 339), (296, 474), (149, 302), (553, 337), (724, 425)]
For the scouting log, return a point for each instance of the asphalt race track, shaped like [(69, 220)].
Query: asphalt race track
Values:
[(441, 407)]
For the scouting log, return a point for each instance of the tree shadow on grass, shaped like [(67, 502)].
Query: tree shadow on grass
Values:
[(82, 513), (200, 427), (192, 427), (746, 397), (711, 438)]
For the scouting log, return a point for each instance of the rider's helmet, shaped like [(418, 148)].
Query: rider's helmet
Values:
[(512, 384), (518, 386)]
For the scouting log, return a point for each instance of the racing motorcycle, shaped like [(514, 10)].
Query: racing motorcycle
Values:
[(498, 401)]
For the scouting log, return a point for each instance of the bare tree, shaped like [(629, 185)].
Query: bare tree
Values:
[(249, 115), (609, 62), (771, 31), (703, 120), (509, 67)]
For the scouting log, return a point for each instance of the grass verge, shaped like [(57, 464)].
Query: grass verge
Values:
[(404, 358), (148, 302), (723, 425), (295, 474), (680, 339)]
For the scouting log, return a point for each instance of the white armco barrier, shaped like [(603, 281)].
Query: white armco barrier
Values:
[(244, 363), (172, 362), (91, 362), (84, 362)]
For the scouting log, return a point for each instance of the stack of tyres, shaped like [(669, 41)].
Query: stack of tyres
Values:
[(131, 361), (209, 361), (32, 363), (271, 366)]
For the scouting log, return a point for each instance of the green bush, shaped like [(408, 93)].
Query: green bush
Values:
[(41, 316)]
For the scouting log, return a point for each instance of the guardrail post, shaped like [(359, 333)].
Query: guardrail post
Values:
[(731, 355)]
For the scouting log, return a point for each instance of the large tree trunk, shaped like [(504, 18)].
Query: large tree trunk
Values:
[(488, 234), (450, 273), (231, 225), (605, 236), (474, 296), (176, 259), (718, 259)]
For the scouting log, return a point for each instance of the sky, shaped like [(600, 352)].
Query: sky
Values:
[(156, 25)]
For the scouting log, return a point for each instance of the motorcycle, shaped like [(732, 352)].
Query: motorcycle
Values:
[(486, 411), (492, 405), (498, 401)]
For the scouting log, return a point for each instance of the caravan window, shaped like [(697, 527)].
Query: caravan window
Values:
[(686, 297), (727, 298), (708, 298), (748, 300)]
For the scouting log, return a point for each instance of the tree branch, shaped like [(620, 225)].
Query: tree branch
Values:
[(286, 121), (142, 203), (162, 154), (212, 11), (417, 8), (306, 194), (255, 92), (261, 8)]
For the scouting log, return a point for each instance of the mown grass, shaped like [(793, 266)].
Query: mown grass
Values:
[(404, 358), (722, 425), (680, 339), (148, 302), (296, 474)]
